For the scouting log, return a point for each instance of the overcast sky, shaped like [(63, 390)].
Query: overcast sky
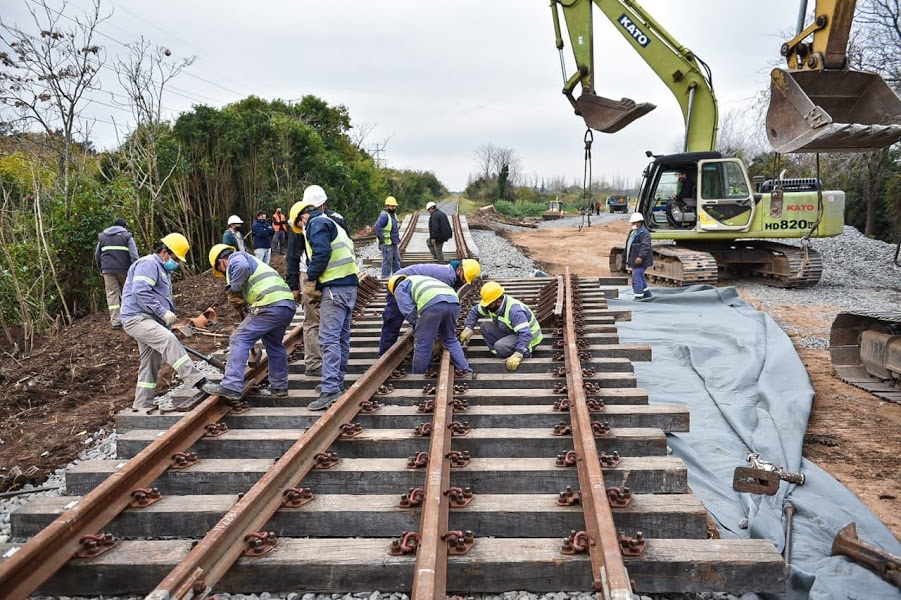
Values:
[(438, 78)]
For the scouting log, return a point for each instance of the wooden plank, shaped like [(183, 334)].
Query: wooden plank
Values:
[(542, 363), (494, 565), (644, 475)]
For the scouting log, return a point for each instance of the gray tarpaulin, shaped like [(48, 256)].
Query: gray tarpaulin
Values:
[(748, 391)]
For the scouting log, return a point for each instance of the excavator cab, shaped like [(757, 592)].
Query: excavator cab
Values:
[(831, 111)]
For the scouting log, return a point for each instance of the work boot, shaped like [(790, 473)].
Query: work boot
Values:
[(313, 373), (318, 388), (216, 389), (275, 393), (116, 325), (324, 400)]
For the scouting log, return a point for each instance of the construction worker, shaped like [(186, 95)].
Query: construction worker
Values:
[(115, 252), (332, 275), (270, 307), (639, 256), (513, 332), (387, 232), (280, 226), (440, 231), (147, 315), (455, 275), (432, 308), (232, 236), (263, 233), (296, 275)]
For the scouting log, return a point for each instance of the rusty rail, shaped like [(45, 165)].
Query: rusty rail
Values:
[(459, 239), (607, 566), (408, 233), (430, 573), (47, 552), (214, 555)]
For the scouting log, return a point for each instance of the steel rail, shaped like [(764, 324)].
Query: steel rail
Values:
[(430, 572), (608, 569), (408, 233), (214, 555), (460, 239), (47, 552)]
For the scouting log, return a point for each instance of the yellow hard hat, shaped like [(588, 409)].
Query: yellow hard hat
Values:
[(392, 283), (177, 244), (298, 209), (491, 291), (471, 270), (390, 201), (215, 251)]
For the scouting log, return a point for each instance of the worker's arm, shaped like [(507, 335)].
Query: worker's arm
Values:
[(519, 319), (132, 249), (379, 223), (143, 281), (405, 303), (473, 317), (294, 255), (320, 233), (238, 272), (97, 254), (434, 227)]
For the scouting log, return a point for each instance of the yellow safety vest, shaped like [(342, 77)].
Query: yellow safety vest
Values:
[(386, 230), (424, 289), (264, 287), (342, 261), (532, 324)]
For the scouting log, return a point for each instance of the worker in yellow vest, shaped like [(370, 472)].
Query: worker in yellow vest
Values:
[(388, 236), (512, 333), (269, 306)]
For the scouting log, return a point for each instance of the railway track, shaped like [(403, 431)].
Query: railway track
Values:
[(415, 233), (552, 478)]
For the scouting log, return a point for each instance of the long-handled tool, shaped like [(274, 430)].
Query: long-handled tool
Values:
[(215, 362), (847, 544)]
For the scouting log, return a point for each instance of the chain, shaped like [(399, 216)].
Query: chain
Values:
[(586, 180)]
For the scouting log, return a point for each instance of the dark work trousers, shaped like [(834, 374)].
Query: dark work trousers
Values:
[(437, 321), (392, 321)]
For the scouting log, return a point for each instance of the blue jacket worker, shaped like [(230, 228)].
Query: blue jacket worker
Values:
[(270, 307), (432, 308), (639, 256), (115, 252), (455, 275), (387, 233), (263, 233), (332, 274), (513, 331), (148, 312)]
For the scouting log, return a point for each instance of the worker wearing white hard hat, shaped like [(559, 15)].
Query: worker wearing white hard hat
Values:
[(639, 256), (440, 231), (232, 235)]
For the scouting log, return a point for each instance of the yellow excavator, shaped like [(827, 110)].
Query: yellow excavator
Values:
[(817, 105), (727, 225)]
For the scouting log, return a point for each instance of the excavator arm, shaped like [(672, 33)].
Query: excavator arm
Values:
[(683, 73)]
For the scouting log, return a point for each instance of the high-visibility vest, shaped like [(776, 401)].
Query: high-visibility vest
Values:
[(532, 324), (264, 287), (424, 289), (386, 230), (341, 262)]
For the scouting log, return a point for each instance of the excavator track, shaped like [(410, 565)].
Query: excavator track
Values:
[(777, 265), (865, 348)]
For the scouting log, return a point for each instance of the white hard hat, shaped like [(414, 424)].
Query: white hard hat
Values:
[(235, 220), (431, 205), (315, 195), (636, 217)]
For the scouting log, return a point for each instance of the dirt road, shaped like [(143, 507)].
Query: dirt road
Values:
[(852, 434)]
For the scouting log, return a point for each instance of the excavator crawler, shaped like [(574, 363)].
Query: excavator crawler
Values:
[(865, 348)]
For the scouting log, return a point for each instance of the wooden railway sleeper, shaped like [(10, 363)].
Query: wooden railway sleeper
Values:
[(144, 497), (295, 497)]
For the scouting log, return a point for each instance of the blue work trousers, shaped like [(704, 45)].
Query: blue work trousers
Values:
[(269, 325), (390, 259), (500, 339), (437, 321), (334, 334), (392, 321), (639, 285)]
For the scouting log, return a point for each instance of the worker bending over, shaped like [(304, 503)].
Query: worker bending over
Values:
[(513, 332), (432, 308), (260, 294), (147, 314), (455, 275)]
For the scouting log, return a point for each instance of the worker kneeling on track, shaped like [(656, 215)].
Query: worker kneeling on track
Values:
[(432, 308), (270, 309), (455, 275), (513, 332), (147, 314)]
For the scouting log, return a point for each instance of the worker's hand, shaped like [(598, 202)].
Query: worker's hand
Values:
[(296, 295), (236, 299), (437, 347), (169, 318), (512, 363), (310, 291), (466, 335), (638, 261)]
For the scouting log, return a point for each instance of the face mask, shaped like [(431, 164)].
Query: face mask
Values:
[(634, 227), (170, 265)]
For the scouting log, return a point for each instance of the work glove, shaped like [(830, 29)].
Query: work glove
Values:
[(296, 295), (437, 347), (512, 363), (310, 291), (236, 299), (466, 335), (169, 318), (638, 261)]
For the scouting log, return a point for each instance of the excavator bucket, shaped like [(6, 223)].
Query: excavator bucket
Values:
[(609, 116), (831, 111)]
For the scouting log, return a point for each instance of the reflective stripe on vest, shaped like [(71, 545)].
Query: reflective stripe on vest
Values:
[(532, 324), (108, 248), (386, 230), (341, 262), (424, 289), (264, 287)]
